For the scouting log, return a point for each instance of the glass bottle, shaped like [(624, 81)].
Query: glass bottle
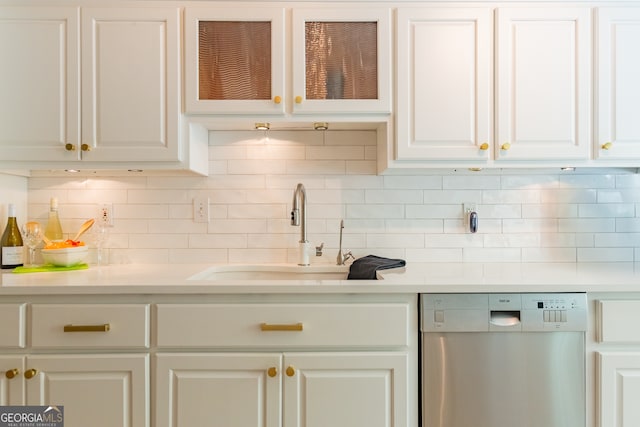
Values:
[(54, 229), (12, 254)]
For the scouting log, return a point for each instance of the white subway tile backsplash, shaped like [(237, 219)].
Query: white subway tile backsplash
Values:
[(524, 215), (374, 211), (393, 196), (587, 225), (549, 255), (605, 254), (606, 210)]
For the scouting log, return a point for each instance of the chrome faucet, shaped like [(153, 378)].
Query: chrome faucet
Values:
[(299, 212), (342, 258), (299, 218)]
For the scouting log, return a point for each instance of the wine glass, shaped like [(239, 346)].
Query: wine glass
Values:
[(32, 235)]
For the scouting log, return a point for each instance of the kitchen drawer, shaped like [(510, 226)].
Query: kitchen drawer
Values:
[(89, 325), (618, 321), (12, 320), (261, 325)]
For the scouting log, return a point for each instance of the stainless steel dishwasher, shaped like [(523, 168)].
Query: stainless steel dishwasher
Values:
[(503, 360)]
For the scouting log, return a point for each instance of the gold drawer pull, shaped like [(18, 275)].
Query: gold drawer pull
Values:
[(30, 373), (87, 328), (291, 371), (11, 373), (288, 327), (272, 371)]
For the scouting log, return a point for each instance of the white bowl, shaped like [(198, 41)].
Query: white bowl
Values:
[(65, 257)]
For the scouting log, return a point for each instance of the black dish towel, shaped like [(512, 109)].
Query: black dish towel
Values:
[(365, 268)]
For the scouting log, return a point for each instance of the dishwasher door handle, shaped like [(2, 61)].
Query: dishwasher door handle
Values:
[(505, 318)]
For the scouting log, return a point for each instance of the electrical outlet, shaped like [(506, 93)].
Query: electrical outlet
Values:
[(105, 216), (201, 209)]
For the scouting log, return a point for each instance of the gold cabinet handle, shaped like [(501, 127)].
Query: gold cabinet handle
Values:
[(11, 373), (484, 146), (295, 327), (298, 99), (30, 373), (506, 146), (607, 146), (291, 371), (272, 371), (69, 147), (85, 147), (277, 99), (87, 328)]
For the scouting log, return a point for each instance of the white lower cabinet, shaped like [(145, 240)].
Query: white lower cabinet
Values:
[(285, 364), (176, 361), (103, 390), (275, 389), (617, 359), (619, 374)]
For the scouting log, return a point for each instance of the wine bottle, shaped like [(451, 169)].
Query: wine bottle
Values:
[(11, 242), (53, 230)]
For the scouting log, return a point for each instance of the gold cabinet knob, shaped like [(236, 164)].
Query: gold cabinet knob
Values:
[(607, 146), (298, 99), (484, 146), (69, 147), (272, 371), (505, 146), (11, 373), (85, 147), (30, 373), (277, 99), (291, 371)]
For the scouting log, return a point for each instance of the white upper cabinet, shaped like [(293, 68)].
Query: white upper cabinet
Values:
[(341, 60), (130, 84), (238, 61), (39, 83), (234, 60), (543, 83), (93, 88), (617, 134), (444, 85)]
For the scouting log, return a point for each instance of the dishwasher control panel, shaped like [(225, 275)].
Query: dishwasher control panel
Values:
[(519, 312)]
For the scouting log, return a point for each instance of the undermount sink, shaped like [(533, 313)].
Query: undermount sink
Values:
[(272, 272)]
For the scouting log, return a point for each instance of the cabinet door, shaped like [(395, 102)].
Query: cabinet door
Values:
[(130, 84), (218, 389), (444, 84), (341, 60), (234, 60), (619, 391), (11, 380), (95, 390), (618, 67), (345, 390), (39, 83), (543, 83)]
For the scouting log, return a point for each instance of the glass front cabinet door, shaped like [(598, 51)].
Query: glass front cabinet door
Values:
[(341, 61), (241, 61), (234, 61)]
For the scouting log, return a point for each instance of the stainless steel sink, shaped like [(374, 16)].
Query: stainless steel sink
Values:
[(272, 272)]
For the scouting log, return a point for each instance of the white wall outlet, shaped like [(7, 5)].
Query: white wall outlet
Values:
[(105, 216), (201, 209), (469, 207)]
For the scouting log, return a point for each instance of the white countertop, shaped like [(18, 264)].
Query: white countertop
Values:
[(414, 278)]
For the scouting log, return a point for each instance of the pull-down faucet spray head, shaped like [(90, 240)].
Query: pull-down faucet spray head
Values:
[(299, 212)]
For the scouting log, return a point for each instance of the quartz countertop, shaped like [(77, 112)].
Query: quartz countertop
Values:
[(414, 278)]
